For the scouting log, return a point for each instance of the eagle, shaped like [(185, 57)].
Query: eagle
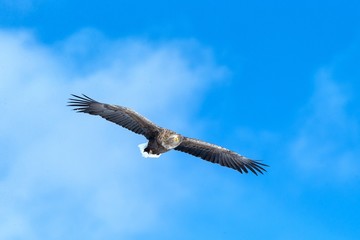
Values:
[(161, 140)]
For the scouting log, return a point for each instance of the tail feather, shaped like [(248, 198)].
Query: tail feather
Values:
[(142, 147)]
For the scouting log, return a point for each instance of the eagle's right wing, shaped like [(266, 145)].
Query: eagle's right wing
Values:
[(122, 116), (216, 154)]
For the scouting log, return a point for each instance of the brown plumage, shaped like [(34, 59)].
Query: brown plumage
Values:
[(161, 140)]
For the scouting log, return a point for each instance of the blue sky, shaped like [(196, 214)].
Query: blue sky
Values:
[(272, 80)]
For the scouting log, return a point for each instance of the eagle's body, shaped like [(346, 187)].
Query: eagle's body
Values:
[(161, 140)]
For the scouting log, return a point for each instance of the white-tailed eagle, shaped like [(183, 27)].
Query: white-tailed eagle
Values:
[(161, 140)]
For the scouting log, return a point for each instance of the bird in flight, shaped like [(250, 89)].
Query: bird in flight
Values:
[(161, 140)]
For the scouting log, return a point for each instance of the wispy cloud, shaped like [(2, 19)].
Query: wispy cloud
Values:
[(58, 163), (327, 141)]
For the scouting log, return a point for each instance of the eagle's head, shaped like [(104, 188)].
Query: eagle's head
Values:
[(172, 141)]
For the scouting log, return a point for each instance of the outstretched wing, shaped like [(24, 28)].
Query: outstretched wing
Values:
[(122, 116), (219, 155)]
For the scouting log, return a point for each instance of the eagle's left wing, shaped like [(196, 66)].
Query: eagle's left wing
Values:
[(122, 116), (220, 155)]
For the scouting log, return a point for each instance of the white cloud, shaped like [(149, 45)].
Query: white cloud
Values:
[(58, 163), (327, 143)]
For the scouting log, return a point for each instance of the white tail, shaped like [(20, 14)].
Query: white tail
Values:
[(142, 147)]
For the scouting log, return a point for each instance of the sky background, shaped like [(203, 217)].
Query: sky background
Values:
[(273, 80)]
